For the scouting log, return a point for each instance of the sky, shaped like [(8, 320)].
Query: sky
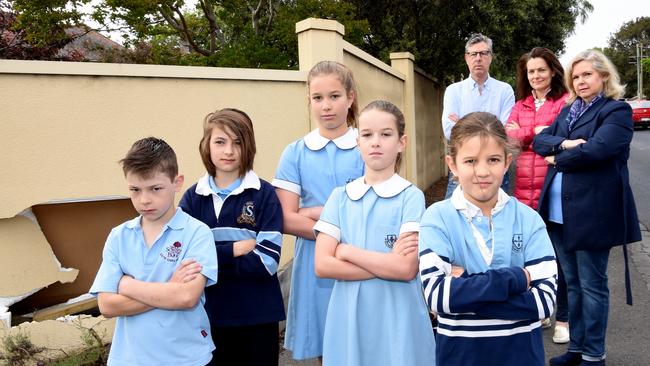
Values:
[(606, 18)]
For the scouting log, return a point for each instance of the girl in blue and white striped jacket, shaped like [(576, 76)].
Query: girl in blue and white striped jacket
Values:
[(486, 262)]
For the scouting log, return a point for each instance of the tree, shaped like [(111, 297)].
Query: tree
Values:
[(436, 31), (621, 51), (235, 33), (15, 44), (260, 33)]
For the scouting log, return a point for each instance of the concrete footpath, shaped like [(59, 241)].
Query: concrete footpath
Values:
[(628, 333)]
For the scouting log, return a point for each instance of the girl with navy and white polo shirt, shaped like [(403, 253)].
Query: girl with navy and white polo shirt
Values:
[(367, 239), (486, 262), (245, 217), (309, 169)]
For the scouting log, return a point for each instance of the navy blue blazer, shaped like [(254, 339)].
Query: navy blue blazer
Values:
[(597, 203)]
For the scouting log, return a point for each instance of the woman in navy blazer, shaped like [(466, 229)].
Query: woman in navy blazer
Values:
[(586, 200)]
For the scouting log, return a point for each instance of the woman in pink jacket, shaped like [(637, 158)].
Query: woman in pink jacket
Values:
[(541, 94)]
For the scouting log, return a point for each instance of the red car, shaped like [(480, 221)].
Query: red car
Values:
[(640, 113)]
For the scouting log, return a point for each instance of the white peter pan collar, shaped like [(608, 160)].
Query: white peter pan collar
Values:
[(250, 180), (469, 210), (386, 189), (314, 141)]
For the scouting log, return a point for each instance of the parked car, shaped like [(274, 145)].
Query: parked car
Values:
[(640, 113)]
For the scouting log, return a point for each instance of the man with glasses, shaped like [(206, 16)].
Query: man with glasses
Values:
[(478, 93)]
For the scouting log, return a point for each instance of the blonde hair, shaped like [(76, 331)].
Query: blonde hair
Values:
[(344, 74), (612, 87)]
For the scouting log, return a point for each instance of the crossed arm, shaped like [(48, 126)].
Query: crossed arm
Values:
[(297, 221), (348, 262), (182, 291)]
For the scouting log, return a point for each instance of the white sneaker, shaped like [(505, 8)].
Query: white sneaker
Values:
[(546, 323), (561, 334)]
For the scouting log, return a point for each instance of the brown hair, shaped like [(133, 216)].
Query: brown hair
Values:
[(612, 87), (344, 75), (149, 156), (241, 126), (558, 88), (481, 124), (390, 108)]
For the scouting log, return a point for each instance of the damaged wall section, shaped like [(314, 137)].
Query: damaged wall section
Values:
[(36, 255)]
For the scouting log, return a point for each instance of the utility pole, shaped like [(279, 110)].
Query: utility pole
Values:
[(639, 70), (638, 60)]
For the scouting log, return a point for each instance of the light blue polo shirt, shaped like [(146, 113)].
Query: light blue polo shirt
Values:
[(376, 321), (463, 98), (158, 336)]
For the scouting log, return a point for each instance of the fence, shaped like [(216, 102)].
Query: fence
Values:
[(64, 126)]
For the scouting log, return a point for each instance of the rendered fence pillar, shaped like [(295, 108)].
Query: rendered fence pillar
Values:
[(318, 40), (404, 63)]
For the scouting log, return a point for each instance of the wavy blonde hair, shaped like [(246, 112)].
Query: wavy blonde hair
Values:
[(612, 87)]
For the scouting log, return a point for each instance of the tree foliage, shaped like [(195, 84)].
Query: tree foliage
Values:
[(435, 31), (15, 43), (261, 33), (622, 51)]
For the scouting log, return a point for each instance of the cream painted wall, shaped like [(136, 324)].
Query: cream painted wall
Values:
[(64, 126), (62, 135)]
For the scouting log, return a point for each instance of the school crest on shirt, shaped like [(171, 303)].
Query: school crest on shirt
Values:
[(517, 242), (247, 214), (171, 253), (390, 240)]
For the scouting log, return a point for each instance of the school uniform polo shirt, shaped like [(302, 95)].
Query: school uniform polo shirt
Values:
[(158, 336)]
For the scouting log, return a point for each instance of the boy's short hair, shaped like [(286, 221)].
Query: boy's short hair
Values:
[(149, 156), (240, 124)]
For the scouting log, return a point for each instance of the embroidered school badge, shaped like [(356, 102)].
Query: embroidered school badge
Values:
[(517, 242), (247, 214), (171, 253), (390, 240)]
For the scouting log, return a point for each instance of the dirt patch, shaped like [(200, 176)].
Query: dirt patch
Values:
[(436, 192)]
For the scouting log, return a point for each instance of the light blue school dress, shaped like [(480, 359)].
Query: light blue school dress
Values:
[(311, 168), (376, 322)]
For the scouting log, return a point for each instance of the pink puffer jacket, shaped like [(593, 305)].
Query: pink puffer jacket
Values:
[(531, 168)]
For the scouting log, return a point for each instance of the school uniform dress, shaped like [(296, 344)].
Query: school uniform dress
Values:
[(158, 336), (487, 316), (312, 167), (376, 321), (248, 293)]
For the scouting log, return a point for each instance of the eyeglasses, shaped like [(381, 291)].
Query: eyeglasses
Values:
[(479, 53)]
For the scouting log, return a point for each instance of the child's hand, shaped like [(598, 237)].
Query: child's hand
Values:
[(311, 212), (457, 271), (243, 247), (186, 272), (406, 243)]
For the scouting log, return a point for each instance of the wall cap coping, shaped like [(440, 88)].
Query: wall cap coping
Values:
[(402, 55), (320, 24), (146, 71), (365, 56)]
